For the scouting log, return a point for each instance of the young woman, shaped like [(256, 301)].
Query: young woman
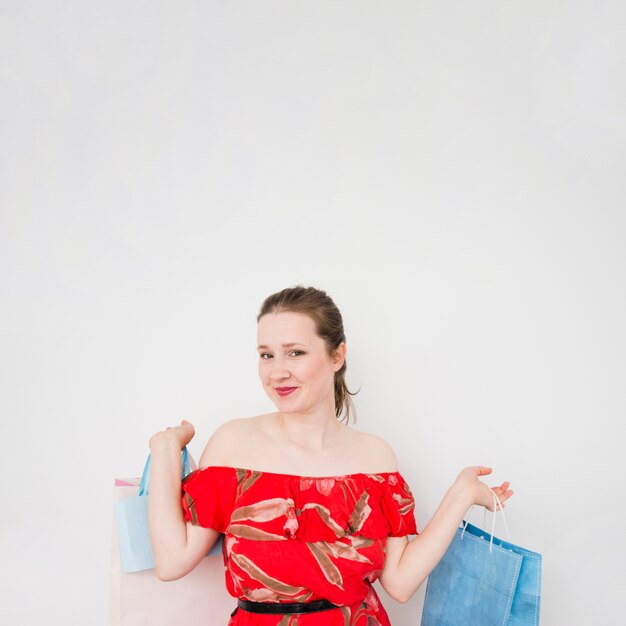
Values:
[(313, 511)]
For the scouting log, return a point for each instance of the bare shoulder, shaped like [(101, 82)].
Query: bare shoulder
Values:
[(375, 451), (229, 436)]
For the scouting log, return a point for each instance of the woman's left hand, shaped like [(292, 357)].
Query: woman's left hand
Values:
[(480, 493)]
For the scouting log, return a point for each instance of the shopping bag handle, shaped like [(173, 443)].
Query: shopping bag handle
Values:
[(186, 469), (493, 526)]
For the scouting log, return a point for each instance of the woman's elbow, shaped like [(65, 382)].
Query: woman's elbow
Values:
[(166, 570), (401, 593), (167, 575), (396, 592), (163, 574), (402, 597)]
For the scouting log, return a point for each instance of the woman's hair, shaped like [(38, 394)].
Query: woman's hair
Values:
[(318, 305)]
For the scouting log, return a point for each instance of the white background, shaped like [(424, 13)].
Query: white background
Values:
[(451, 173)]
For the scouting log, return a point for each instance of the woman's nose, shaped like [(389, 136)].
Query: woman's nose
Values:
[(279, 371)]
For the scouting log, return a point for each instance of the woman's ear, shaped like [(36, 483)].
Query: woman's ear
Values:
[(339, 356)]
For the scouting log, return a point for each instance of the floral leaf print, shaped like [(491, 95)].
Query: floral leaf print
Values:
[(361, 611), (371, 599), (229, 542), (344, 490), (358, 541), (406, 509), (291, 523), (343, 551), (241, 475), (373, 575), (267, 595), (192, 509), (350, 488), (325, 485), (346, 614), (245, 481), (361, 512), (325, 515), (258, 574), (262, 595), (329, 569), (404, 504), (263, 511), (289, 620), (305, 483), (237, 581), (256, 534)]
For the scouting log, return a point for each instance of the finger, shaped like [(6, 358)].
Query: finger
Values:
[(505, 496), (482, 471), (496, 498), (501, 488)]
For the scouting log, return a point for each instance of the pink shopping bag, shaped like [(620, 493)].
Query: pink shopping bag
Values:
[(141, 599)]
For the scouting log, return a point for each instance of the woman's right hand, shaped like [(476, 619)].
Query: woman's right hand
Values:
[(181, 434)]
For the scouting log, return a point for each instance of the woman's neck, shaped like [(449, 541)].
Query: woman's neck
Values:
[(310, 432)]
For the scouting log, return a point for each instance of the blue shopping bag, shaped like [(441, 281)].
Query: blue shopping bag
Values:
[(131, 521), (483, 581)]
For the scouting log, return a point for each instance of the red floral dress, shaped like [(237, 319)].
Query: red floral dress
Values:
[(295, 538)]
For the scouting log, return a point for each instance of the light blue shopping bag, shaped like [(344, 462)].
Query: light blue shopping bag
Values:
[(131, 520), (483, 581)]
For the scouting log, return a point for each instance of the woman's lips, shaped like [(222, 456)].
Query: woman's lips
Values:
[(284, 391)]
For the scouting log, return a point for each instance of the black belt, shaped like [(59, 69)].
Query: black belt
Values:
[(285, 607)]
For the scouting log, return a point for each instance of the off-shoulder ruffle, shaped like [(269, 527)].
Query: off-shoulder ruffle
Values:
[(208, 497), (270, 506)]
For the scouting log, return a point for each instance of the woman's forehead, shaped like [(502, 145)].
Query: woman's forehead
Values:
[(285, 327)]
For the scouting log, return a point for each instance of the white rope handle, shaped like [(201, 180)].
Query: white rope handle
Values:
[(493, 526)]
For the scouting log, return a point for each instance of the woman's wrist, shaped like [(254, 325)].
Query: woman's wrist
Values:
[(462, 492), (164, 440)]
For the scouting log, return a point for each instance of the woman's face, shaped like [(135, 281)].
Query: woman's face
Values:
[(291, 354)]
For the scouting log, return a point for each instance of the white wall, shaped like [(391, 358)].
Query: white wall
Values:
[(452, 173)]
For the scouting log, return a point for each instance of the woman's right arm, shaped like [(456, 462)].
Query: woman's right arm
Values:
[(177, 546)]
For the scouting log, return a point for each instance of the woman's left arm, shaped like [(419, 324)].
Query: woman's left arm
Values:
[(408, 563)]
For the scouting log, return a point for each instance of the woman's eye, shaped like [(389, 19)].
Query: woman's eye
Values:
[(264, 354)]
